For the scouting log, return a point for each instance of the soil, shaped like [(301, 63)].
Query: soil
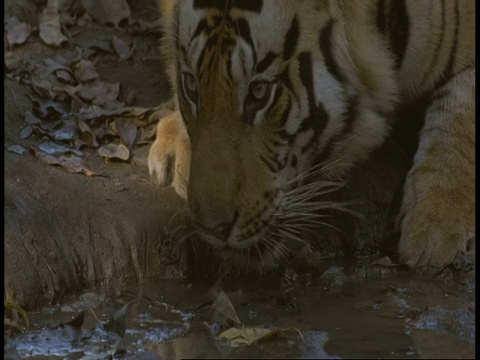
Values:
[(66, 233)]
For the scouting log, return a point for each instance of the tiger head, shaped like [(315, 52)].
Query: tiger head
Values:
[(266, 89)]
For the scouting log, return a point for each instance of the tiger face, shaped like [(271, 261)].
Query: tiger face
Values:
[(263, 96)]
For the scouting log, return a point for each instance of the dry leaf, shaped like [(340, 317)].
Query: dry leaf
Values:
[(147, 134), (223, 311), (77, 322), (100, 93), (117, 323), (107, 11), (17, 149), (64, 76), (385, 261), (114, 151), (26, 132), (11, 60), (67, 132), (45, 158), (95, 44), (85, 71), (15, 309), (127, 131), (72, 164), (50, 30), (48, 109), (235, 337), (18, 34), (86, 135), (75, 164), (121, 48), (31, 119), (51, 148)]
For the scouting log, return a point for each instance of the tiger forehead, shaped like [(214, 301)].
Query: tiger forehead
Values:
[(235, 18)]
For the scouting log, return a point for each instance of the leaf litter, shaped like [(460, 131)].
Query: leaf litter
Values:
[(73, 110)]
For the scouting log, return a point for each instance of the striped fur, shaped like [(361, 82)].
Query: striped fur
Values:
[(267, 89)]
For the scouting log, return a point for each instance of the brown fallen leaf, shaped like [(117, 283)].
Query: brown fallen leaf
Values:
[(47, 109), (52, 148), (235, 337), (121, 48), (11, 60), (147, 134), (385, 261), (18, 34), (26, 132), (67, 132), (17, 149), (223, 312), (114, 151), (127, 131), (86, 135), (100, 93), (93, 45), (64, 76), (85, 71), (45, 158), (31, 119), (117, 322), (12, 310), (50, 29), (76, 322), (72, 164), (75, 164), (107, 11)]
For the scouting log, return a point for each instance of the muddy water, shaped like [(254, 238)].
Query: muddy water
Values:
[(372, 312)]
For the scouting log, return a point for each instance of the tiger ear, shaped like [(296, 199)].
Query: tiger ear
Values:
[(165, 6)]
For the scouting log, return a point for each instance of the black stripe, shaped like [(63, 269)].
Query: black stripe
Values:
[(176, 30), (244, 32), (318, 117), (249, 5), (440, 41), (448, 72), (399, 30), (286, 136), (203, 4), (265, 62), (326, 48), (285, 113), (202, 25), (381, 19), (293, 161), (284, 77), (227, 5), (269, 164), (291, 39), (349, 118)]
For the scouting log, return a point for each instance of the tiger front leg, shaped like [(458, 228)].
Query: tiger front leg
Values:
[(169, 156), (438, 209)]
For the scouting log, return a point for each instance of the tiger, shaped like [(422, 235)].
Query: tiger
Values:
[(267, 91)]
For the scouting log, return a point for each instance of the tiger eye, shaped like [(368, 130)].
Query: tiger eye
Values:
[(190, 86), (259, 90), (190, 83)]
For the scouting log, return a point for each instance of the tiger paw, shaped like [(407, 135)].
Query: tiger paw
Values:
[(435, 231), (434, 244), (169, 156)]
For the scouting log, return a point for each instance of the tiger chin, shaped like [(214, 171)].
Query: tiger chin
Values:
[(268, 92)]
